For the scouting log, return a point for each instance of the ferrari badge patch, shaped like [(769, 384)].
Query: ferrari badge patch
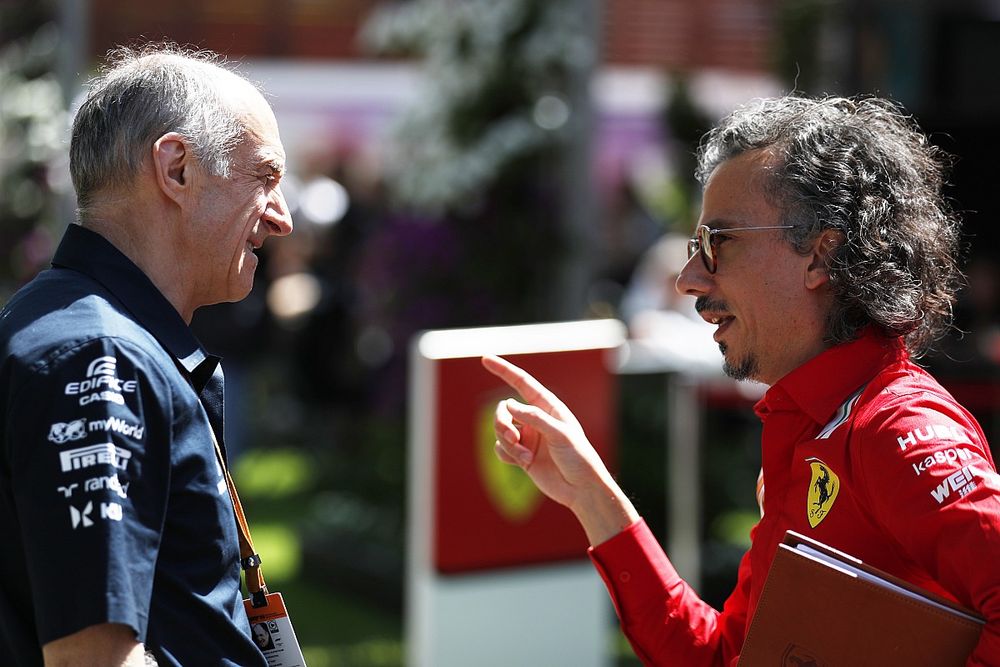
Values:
[(823, 489)]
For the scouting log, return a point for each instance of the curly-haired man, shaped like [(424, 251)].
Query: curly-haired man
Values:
[(825, 255)]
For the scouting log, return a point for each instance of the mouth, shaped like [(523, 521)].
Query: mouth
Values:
[(250, 255), (715, 312), (723, 323)]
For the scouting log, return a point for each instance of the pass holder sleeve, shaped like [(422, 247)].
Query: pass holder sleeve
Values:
[(273, 633)]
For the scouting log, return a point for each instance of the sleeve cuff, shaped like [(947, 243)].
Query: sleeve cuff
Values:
[(634, 568)]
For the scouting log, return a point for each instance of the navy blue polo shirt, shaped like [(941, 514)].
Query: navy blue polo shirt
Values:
[(113, 506)]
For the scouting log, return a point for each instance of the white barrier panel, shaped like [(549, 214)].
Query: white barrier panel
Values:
[(530, 617), (497, 574)]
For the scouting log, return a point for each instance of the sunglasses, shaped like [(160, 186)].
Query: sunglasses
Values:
[(704, 242)]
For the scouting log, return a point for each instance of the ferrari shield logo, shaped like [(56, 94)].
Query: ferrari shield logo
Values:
[(796, 656), (512, 493), (823, 489)]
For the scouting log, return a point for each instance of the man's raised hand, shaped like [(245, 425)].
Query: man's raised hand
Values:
[(543, 437)]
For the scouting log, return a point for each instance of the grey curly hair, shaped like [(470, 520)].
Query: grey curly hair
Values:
[(142, 94), (863, 167)]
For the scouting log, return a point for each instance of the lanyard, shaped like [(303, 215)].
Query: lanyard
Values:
[(265, 611), (249, 558), (210, 396)]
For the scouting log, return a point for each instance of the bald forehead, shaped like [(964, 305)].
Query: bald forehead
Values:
[(245, 101), (260, 125), (258, 117), (243, 98)]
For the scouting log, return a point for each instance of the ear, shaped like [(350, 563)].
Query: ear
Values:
[(173, 166), (824, 248)]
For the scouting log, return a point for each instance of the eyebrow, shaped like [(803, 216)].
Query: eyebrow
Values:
[(276, 165), (720, 225)]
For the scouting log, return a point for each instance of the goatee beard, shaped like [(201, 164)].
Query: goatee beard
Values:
[(745, 369)]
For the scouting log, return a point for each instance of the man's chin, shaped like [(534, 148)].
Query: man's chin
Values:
[(233, 295), (241, 288), (745, 369)]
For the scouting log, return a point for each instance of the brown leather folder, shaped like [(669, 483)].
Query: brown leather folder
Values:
[(823, 608)]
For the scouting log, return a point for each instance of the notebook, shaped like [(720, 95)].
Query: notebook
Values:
[(823, 608)]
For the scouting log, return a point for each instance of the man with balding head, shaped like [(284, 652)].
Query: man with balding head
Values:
[(122, 544)]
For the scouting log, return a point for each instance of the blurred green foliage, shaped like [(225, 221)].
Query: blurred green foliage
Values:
[(335, 629), (33, 123)]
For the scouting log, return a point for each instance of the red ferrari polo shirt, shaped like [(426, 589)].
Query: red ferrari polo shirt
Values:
[(863, 450)]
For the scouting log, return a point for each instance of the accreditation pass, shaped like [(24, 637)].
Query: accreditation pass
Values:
[(272, 631)]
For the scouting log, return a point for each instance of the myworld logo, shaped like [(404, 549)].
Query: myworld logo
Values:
[(116, 425)]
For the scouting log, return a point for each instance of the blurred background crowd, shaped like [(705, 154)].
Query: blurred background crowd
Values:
[(459, 163)]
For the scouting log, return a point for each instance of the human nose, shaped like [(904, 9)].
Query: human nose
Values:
[(694, 279), (277, 215)]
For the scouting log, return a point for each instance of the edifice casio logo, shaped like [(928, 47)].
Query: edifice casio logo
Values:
[(102, 366), (101, 383)]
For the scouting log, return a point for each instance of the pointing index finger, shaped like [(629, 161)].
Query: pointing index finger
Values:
[(528, 387)]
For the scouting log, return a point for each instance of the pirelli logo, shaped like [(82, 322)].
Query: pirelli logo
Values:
[(93, 455)]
